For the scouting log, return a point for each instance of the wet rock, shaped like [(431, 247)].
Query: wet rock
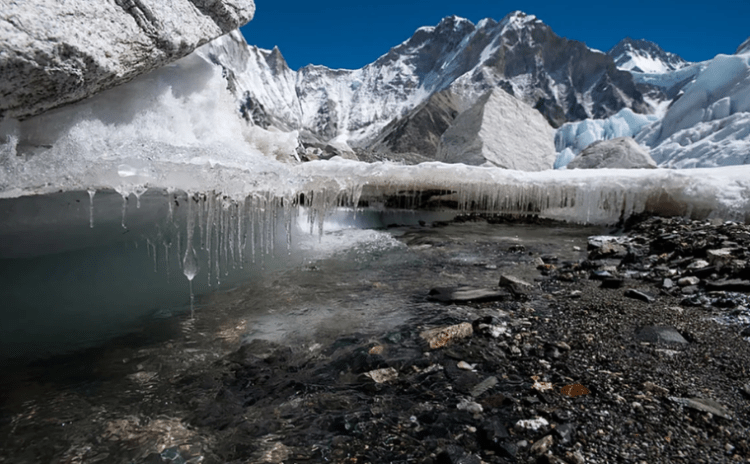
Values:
[(467, 294), (517, 249), (704, 405), (517, 286), (442, 336), (542, 446), (745, 332), (660, 334), (639, 295)]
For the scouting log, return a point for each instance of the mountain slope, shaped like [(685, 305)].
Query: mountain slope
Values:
[(375, 107)]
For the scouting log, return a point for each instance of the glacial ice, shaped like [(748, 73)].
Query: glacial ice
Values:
[(573, 137)]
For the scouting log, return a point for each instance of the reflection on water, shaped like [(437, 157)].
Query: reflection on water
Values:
[(114, 401)]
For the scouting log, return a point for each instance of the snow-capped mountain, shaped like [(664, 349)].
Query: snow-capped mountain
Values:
[(644, 56), (377, 104)]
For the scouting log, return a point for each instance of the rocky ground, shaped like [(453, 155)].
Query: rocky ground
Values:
[(615, 358), (633, 354)]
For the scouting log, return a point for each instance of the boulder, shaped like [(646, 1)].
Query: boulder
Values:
[(502, 131), (53, 53), (619, 153)]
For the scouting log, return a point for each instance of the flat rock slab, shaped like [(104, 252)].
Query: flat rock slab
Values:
[(467, 294), (639, 295), (660, 334), (515, 285), (703, 405), (731, 285)]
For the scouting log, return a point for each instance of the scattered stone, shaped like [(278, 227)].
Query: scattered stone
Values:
[(668, 284), (704, 405), (574, 457), (541, 386), (639, 295), (483, 387), (470, 406), (442, 336), (698, 264), (574, 390), (382, 375), (377, 350), (542, 446), (600, 275), (746, 332), (517, 248), (492, 435), (463, 365), (532, 424), (721, 257), (653, 388), (688, 281), (467, 294), (660, 334), (566, 433)]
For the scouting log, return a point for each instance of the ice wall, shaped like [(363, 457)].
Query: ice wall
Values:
[(572, 138)]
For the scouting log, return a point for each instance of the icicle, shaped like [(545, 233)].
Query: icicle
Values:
[(190, 262), (92, 192), (201, 224), (124, 210), (166, 257)]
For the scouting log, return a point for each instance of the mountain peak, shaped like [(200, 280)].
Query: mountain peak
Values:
[(744, 48), (644, 56), (517, 19)]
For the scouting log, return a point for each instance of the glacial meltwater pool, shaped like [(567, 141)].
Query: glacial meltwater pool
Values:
[(96, 326)]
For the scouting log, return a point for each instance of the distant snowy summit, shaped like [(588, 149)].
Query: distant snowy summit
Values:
[(401, 104), (644, 56)]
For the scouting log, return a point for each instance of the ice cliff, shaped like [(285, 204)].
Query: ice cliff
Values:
[(56, 52)]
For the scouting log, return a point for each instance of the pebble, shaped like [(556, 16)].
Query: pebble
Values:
[(542, 446), (470, 406), (532, 424), (688, 281), (382, 375), (442, 336)]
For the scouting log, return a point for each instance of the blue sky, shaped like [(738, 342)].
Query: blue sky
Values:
[(351, 34)]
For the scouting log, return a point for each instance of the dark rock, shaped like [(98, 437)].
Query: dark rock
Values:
[(613, 283), (639, 295), (457, 455), (566, 433), (517, 249), (660, 334), (746, 332), (492, 435)]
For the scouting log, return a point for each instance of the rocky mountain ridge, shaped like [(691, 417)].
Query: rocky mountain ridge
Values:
[(405, 100)]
